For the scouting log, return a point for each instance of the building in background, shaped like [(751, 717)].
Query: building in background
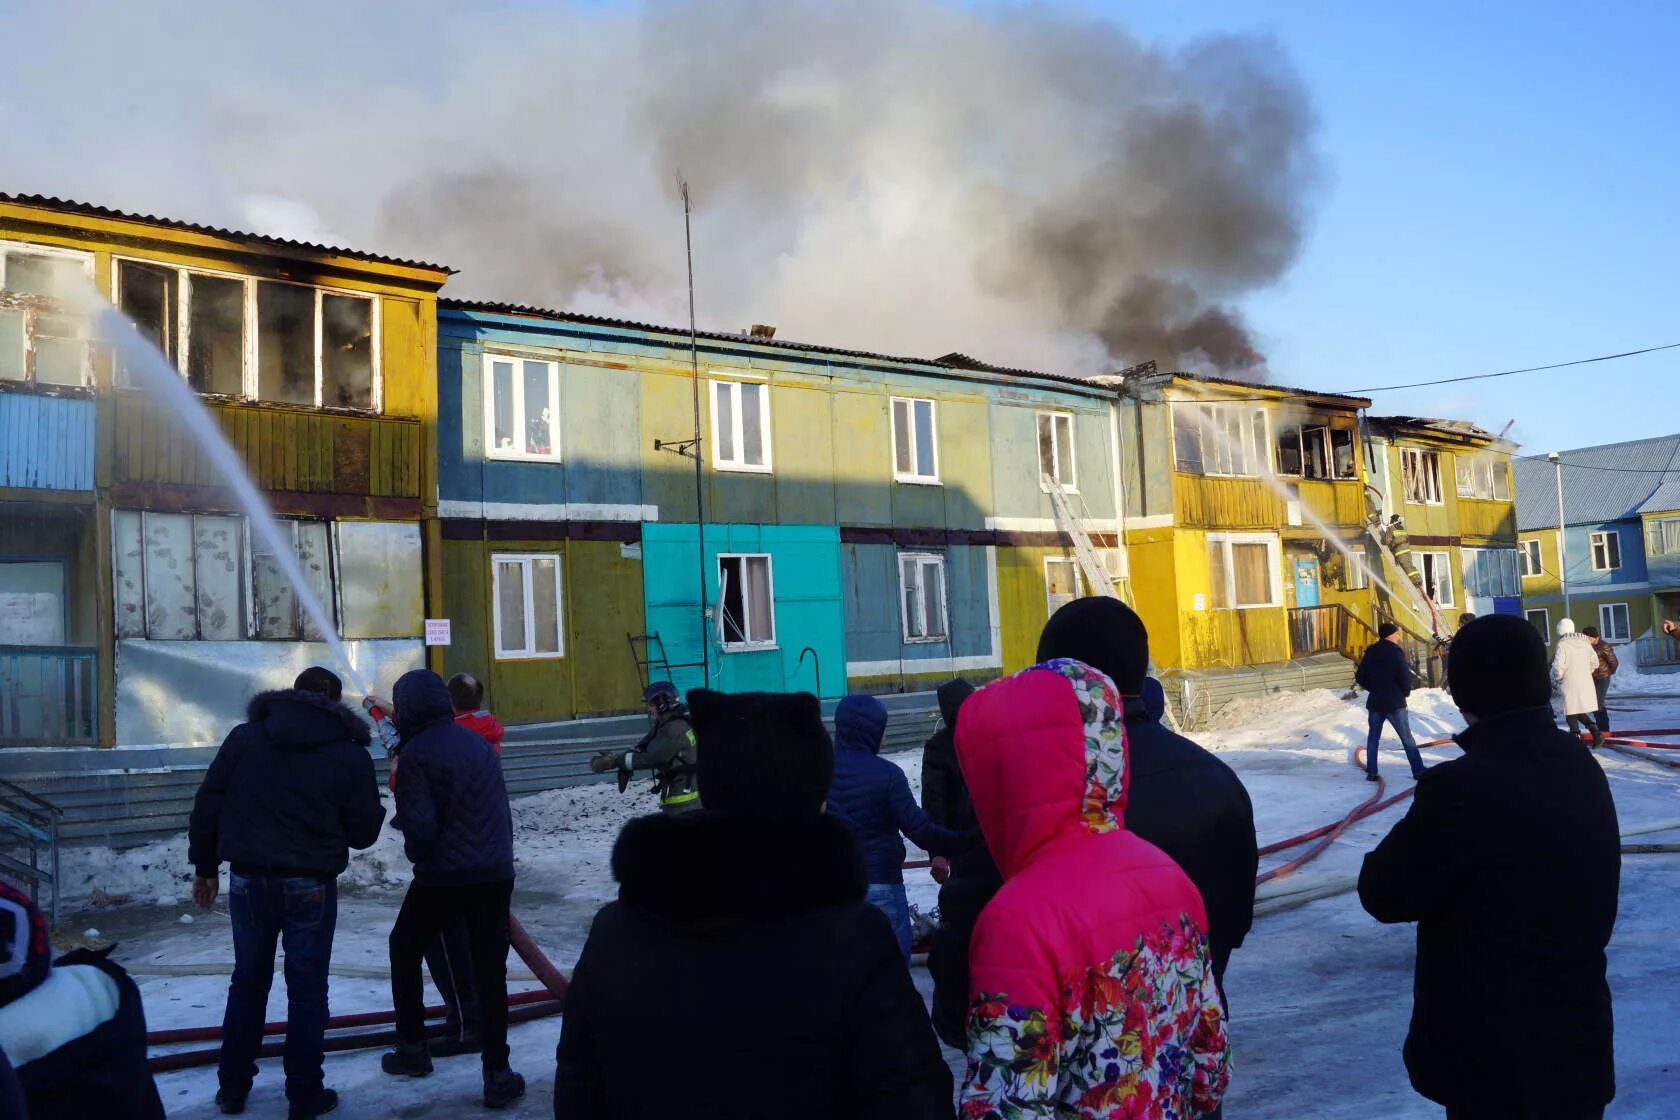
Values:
[(136, 606), (1620, 545)]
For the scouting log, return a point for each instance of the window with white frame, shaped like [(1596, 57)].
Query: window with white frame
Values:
[(43, 336), (1662, 536), (746, 601), (1486, 477), (1614, 624), (1220, 439), (1541, 620), (1061, 582), (1356, 569), (1435, 568), (921, 587), (1491, 573), (1529, 552), (915, 440), (266, 340), (1420, 476), (1055, 451), (521, 408), (526, 591), (1243, 571), (1606, 551), (741, 425)]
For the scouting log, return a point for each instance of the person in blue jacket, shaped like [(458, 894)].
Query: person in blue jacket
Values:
[(871, 796), (1387, 679)]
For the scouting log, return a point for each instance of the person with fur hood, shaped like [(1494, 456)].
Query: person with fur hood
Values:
[(291, 791), (1092, 986), (1573, 666)]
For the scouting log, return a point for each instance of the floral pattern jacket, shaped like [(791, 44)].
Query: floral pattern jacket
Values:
[(1092, 988)]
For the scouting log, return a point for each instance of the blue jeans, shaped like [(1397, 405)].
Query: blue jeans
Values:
[(301, 913), (1401, 721), (890, 900)]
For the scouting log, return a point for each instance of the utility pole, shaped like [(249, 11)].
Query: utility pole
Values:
[(699, 459), (1563, 551)]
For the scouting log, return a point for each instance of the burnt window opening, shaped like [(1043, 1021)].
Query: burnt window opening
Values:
[(346, 351), (43, 337), (285, 343)]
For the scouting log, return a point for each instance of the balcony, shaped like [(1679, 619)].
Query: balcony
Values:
[(48, 696)]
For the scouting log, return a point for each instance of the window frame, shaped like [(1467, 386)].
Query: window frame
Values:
[(1606, 629), (1357, 573), (1257, 433), (329, 602), (1528, 555), (1057, 416), (1546, 621), (921, 561), (487, 375), (28, 364), (526, 562), (1431, 478), (749, 644), (911, 477), (738, 426), (1274, 570), (1479, 556), (1052, 601), (1609, 540), (250, 375), (1443, 563)]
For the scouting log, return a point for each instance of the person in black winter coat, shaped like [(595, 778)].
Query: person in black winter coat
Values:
[(871, 796), (942, 781), (452, 807), (289, 794), (741, 974), (72, 1031), (1387, 679), (1509, 861)]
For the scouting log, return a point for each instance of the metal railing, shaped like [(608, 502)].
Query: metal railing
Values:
[(29, 824), (48, 696), (1657, 650)]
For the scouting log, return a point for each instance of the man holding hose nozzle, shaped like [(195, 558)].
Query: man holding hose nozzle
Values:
[(667, 750)]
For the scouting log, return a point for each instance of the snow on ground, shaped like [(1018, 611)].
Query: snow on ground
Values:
[(1629, 681), (1319, 994)]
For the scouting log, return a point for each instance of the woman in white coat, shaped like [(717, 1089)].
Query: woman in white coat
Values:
[(1572, 669)]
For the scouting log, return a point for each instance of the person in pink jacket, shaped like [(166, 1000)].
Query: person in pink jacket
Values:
[(1092, 992)]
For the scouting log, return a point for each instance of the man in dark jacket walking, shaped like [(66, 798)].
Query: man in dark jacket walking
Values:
[(1387, 680), (287, 796), (871, 796), (1509, 860), (667, 750), (452, 808), (1608, 663), (741, 939)]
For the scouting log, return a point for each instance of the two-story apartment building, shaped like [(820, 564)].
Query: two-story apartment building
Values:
[(1618, 554), (136, 606), (853, 521)]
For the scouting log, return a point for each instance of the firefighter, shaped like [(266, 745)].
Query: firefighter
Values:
[(667, 750)]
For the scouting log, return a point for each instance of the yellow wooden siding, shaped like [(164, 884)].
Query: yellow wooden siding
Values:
[(1225, 503), (1220, 639), (1334, 503), (1023, 602), (1154, 581), (1492, 520)]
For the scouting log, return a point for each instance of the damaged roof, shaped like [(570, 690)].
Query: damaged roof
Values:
[(1454, 428), (956, 363), (70, 206), (1611, 482), (1146, 370)]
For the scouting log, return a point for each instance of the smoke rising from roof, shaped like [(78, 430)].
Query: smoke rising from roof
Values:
[(1031, 185)]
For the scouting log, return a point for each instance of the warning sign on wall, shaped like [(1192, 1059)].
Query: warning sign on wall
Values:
[(437, 631)]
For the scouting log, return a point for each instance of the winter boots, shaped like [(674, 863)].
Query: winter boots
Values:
[(502, 1088), (467, 1043), (320, 1106), (407, 1061)]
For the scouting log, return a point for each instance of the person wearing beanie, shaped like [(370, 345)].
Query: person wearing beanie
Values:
[(1181, 798), (1573, 666), (1387, 679), (871, 796), (1509, 861), (741, 930), (72, 1031), (291, 791), (1608, 664)]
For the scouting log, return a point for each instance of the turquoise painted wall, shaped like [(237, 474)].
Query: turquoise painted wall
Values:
[(806, 589)]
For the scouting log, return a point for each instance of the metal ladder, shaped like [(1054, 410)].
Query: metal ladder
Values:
[(648, 652), (1096, 575), (28, 821)]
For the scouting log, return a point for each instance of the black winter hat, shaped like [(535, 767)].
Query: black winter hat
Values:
[(25, 950), (1498, 664), (1387, 630), (1105, 634), (761, 754)]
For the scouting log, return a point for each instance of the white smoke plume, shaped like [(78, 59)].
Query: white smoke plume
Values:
[(1030, 185)]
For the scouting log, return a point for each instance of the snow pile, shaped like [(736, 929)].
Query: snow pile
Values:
[(1630, 681)]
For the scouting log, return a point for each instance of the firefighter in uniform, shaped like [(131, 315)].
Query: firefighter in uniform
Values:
[(667, 750)]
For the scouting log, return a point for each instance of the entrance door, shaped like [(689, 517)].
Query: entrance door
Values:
[(1306, 581)]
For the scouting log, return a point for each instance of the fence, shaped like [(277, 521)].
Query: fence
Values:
[(48, 696), (1658, 650)]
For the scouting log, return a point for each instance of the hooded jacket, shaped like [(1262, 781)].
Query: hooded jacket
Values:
[(1509, 861), (1093, 991), (942, 783), (1573, 667), (871, 795), (775, 994), (452, 803), (290, 792), (1385, 675)]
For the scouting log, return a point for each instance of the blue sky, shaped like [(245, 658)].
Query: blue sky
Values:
[(1501, 192)]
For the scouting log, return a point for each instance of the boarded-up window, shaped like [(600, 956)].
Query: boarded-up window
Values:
[(346, 351), (379, 579), (747, 600), (128, 551), (219, 577), (216, 335), (285, 343), (278, 609), (171, 606)]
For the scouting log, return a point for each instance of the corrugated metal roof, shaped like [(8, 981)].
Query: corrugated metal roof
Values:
[(70, 206), (956, 363), (1605, 483), (1147, 370)]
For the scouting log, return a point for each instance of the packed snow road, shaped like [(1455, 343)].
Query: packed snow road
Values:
[(1320, 994)]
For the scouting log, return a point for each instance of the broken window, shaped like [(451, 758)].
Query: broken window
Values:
[(1341, 453), (1436, 570), (1055, 450), (1315, 452), (1420, 474), (527, 598), (215, 342), (346, 351), (1483, 476), (285, 343), (43, 338), (147, 296), (921, 586), (1289, 451), (379, 578), (747, 600), (1187, 441)]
